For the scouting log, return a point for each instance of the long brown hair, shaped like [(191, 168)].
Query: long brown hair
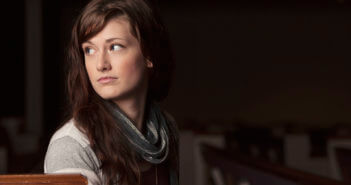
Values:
[(106, 137)]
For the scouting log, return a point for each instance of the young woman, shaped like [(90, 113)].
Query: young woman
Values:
[(120, 65)]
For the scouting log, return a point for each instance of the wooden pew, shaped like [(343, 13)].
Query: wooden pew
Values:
[(43, 179), (258, 172)]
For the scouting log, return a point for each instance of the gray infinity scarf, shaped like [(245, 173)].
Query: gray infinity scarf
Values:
[(154, 146)]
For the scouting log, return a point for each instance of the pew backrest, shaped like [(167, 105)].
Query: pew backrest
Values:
[(43, 179)]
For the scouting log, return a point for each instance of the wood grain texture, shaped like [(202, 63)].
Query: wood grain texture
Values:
[(44, 179)]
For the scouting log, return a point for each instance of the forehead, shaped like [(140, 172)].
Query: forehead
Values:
[(116, 27)]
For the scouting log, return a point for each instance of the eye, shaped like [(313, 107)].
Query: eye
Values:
[(115, 47), (89, 51)]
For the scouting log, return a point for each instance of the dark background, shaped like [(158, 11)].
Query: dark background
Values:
[(248, 62)]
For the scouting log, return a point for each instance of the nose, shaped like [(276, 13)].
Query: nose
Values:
[(103, 63)]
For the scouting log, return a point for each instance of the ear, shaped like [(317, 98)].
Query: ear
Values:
[(149, 64)]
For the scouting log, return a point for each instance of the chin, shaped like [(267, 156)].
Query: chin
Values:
[(108, 95), (116, 93)]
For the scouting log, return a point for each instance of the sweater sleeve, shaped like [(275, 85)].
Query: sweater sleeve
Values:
[(66, 155)]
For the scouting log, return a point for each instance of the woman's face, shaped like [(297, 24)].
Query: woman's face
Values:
[(115, 64)]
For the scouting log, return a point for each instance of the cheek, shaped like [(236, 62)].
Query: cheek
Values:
[(89, 69), (132, 67), (136, 71)]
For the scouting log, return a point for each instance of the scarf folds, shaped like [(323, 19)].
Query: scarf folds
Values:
[(154, 145)]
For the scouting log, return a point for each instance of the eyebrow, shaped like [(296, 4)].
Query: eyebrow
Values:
[(112, 39), (107, 40)]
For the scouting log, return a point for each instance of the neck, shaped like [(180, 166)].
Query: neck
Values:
[(134, 108)]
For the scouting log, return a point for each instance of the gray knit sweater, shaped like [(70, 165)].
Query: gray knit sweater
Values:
[(69, 151)]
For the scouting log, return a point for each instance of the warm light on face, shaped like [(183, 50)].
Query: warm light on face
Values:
[(114, 61)]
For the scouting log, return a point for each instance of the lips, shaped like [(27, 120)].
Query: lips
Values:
[(106, 79)]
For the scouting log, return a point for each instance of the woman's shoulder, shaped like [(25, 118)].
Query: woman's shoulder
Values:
[(168, 116), (69, 149), (171, 122), (70, 130)]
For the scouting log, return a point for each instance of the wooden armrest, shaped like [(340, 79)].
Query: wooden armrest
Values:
[(44, 179)]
